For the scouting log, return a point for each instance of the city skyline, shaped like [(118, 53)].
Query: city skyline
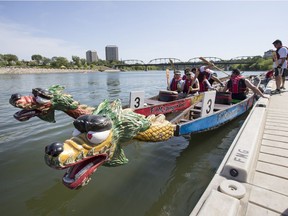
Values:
[(143, 30)]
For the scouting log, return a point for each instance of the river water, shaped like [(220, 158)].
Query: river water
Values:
[(164, 178)]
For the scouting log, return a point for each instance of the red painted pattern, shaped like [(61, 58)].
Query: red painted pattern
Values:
[(165, 108)]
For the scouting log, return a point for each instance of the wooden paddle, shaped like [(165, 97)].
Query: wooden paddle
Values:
[(172, 64), (168, 78), (210, 63)]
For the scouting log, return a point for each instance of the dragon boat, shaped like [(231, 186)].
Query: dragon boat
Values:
[(98, 131), (216, 109)]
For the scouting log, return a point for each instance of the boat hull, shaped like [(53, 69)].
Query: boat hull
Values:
[(170, 107), (215, 120)]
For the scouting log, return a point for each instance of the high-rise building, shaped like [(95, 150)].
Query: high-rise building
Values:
[(111, 53), (91, 56)]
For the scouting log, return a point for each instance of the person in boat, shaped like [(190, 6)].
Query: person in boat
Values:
[(191, 84), (186, 71), (281, 65), (206, 77), (238, 85), (203, 78), (269, 76), (176, 83), (210, 74)]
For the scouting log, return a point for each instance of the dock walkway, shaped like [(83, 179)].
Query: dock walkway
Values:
[(253, 177)]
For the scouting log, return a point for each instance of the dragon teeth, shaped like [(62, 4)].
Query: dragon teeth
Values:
[(83, 170), (78, 175)]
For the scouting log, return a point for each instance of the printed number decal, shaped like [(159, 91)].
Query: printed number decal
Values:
[(137, 100), (209, 103)]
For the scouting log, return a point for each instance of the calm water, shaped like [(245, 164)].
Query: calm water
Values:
[(165, 178)]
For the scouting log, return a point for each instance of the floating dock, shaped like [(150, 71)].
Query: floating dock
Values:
[(253, 176)]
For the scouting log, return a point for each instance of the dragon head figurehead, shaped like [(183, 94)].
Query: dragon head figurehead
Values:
[(43, 103), (97, 138), (91, 145)]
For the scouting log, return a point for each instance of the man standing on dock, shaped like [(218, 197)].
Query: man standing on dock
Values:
[(281, 65)]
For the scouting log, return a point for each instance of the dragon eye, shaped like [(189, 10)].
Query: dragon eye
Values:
[(97, 137), (41, 100)]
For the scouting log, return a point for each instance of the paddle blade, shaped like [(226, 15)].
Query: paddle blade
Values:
[(205, 60), (168, 77)]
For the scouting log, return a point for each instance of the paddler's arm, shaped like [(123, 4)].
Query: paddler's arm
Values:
[(217, 80), (254, 88)]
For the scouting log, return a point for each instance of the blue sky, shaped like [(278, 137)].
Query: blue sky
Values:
[(142, 30)]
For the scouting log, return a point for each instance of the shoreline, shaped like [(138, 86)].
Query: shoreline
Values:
[(41, 70), (15, 70)]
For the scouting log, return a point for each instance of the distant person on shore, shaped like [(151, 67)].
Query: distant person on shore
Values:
[(238, 86), (280, 66), (191, 84), (176, 83)]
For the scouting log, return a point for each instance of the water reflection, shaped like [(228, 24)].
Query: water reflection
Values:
[(194, 167), (113, 85), (51, 201)]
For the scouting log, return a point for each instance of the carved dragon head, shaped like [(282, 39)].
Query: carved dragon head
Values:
[(95, 141), (43, 103), (92, 144)]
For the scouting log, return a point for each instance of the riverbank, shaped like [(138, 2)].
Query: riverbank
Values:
[(15, 70)]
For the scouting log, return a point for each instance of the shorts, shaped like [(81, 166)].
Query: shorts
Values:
[(281, 72)]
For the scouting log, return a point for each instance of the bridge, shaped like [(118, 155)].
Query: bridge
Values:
[(192, 62)]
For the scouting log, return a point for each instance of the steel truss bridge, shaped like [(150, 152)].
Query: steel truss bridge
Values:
[(177, 63)]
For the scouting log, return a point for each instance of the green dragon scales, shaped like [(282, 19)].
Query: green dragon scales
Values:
[(98, 132)]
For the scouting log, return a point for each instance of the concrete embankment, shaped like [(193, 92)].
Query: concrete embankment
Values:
[(253, 176)]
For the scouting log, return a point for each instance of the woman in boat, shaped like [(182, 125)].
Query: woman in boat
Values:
[(238, 85), (186, 71), (191, 84), (203, 78), (210, 74), (176, 83)]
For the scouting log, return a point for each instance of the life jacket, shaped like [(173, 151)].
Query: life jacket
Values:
[(202, 76), (203, 86), (236, 84), (269, 74), (277, 52), (187, 85), (173, 85)]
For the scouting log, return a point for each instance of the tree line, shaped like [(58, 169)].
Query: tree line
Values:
[(257, 63), (54, 62)]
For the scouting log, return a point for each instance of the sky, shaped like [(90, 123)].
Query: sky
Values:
[(142, 30)]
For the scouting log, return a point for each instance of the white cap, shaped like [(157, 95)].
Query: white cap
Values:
[(202, 69)]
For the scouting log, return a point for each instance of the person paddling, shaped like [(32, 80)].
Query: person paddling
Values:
[(177, 82), (238, 86)]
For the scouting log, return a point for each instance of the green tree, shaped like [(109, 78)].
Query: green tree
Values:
[(10, 57), (38, 58), (46, 61), (76, 61), (58, 62)]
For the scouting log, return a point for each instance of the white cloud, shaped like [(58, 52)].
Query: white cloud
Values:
[(24, 42)]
